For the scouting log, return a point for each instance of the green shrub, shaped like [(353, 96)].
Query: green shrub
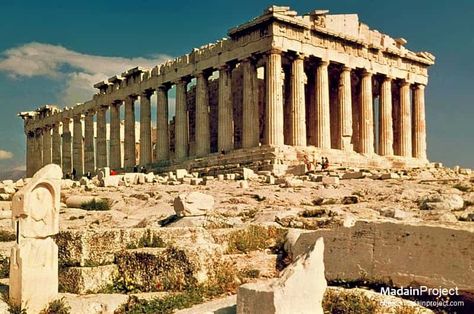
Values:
[(255, 238), (96, 205), (4, 267), (57, 307), (7, 236), (348, 303)]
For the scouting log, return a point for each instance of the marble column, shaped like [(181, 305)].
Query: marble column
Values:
[(31, 154), (385, 119), (297, 103), (322, 128), (162, 136), (46, 145), (203, 136), (366, 143), (181, 121), (89, 165), (78, 146), (344, 141), (56, 148), (115, 150), (129, 142), (274, 99), (101, 143), (145, 129), (405, 120), (66, 146), (39, 148), (225, 115), (419, 123), (250, 112)]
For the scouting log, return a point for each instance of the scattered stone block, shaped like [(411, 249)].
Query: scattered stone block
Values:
[(270, 179), (353, 175), (330, 180), (391, 175), (150, 177), (196, 181), (220, 177), (75, 201), (300, 288), (248, 174), (351, 199), (441, 202), (293, 183), (110, 181), (5, 197), (465, 171), (193, 204), (244, 184), (7, 190), (299, 170), (180, 173)]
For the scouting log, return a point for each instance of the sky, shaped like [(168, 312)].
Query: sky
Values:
[(54, 51)]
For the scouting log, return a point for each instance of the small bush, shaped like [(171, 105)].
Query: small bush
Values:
[(255, 238), (348, 303), (148, 240), (57, 307), (96, 205), (7, 236), (4, 267)]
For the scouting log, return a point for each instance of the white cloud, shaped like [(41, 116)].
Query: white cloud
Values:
[(5, 155), (78, 71)]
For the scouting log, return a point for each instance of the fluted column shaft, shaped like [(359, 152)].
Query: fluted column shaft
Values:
[(203, 136), (162, 138), (145, 129), (323, 123), (297, 103), (46, 146), (225, 115), (115, 150), (89, 165), (129, 142), (101, 143), (274, 100), (181, 121), (366, 143), (405, 120), (39, 148), (385, 119), (56, 147), (250, 114), (419, 123), (31, 154), (345, 110), (66, 147), (78, 146)]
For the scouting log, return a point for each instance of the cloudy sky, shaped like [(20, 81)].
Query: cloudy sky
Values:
[(54, 51)]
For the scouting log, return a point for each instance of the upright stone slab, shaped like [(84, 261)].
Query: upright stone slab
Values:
[(34, 258), (300, 288)]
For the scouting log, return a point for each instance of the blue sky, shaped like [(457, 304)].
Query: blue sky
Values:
[(51, 50)]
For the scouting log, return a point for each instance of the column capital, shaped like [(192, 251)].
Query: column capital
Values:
[(274, 51), (323, 63), (367, 73), (388, 78), (146, 93), (203, 73), (181, 81), (346, 68), (164, 87), (405, 83), (419, 86)]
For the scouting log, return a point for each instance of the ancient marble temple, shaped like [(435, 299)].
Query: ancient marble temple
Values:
[(280, 88)]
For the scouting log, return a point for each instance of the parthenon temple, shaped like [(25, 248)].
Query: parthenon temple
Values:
[(279, 88)]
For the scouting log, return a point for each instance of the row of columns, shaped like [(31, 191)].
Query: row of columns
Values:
[(86, 157)]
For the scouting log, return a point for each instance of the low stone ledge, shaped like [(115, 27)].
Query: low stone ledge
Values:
[(85, 280)]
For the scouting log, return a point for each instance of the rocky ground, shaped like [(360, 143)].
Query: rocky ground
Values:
[(228, 209)]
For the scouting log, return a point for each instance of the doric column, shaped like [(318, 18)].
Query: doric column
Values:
[(250, 121), (77, 146), (323, 121), (419, 123), (385, 119), (366, 143), (46, 145), (181, 121), (162, 136), (130, 158), (115, 150), (225, 115), (297, 103), (56, 147), (405, 120), (31, 154), (66, 146), (345, 110), (89, 165), (145, 129), (273, 100), (203, 136), (101, 143)]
